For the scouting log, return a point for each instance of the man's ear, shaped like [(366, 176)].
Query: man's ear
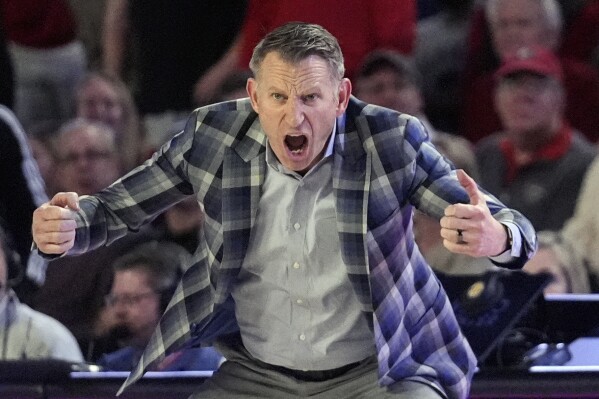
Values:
[(344, 94), (252, 89)]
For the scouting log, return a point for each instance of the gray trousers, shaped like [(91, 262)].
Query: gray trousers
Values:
[(243, 376)]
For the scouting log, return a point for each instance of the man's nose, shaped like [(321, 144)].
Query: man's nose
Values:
[(294, 112)]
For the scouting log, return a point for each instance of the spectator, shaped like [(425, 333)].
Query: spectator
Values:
[(25, 333), (361, 26), (571, 254), (48, 59), (87, 156), (74, 287), (145, 278), (175, 42), (536, 164), (580, 37), (106, 99), (519, 23), (391, 80)]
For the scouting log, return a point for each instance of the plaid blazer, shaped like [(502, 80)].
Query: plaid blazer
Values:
[(384, 165)]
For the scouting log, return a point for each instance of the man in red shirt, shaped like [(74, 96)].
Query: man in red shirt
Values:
[(514, 24), (537, 163)]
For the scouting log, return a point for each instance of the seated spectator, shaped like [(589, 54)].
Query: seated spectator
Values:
[(75, 286), (144, 281), (105, 99), (579, 40), (87, 156), (572, 254), (391, 80), (25, 333), (536, 164), (527, 23)]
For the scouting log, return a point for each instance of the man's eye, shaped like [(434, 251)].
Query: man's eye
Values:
[(277, 96), (310, 97)]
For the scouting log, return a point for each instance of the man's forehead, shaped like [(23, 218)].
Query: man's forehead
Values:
[(89, 136), (313, 63), (308, 74)]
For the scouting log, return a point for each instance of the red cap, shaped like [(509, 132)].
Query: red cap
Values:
[(536, 60)]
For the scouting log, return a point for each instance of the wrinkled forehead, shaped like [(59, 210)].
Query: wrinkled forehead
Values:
[(87, 136), (274, 63)]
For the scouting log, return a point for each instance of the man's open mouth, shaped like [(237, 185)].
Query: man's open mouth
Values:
[(296, 144)]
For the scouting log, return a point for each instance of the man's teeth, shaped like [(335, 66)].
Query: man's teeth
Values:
[(298, 151)]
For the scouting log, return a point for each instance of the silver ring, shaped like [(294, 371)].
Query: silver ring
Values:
[(460, 236)]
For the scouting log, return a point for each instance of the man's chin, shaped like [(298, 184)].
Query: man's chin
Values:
[(298, 167)]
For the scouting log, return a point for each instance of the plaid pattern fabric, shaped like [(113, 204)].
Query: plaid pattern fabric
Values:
[(383, 166)]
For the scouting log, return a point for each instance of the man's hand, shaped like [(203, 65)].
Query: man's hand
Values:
[(54, 224), (470, 228)]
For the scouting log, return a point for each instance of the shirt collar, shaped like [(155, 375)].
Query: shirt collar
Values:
[(553, 150)]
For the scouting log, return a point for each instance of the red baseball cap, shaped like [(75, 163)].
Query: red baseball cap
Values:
[(537, 60)]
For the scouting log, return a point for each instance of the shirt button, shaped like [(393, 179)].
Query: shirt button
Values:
[(302, 337), (299, 301), (296, 265), (297, 226)]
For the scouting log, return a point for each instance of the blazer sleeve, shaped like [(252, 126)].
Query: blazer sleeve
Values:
[(435, 186)]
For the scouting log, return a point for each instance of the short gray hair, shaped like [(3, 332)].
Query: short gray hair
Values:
[(84, 124), (295, 41), (80, 123), (552, 14)]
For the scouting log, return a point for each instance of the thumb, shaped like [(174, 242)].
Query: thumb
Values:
[(66, 200), (470, 186)]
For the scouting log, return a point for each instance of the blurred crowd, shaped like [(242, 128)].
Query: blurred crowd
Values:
[(507, 89)]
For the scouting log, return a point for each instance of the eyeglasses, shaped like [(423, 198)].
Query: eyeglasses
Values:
[(92, 156), (530, 83), (126, 299)]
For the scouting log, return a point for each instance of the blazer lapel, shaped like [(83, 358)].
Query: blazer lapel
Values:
[(351, 181), (244, 167)]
